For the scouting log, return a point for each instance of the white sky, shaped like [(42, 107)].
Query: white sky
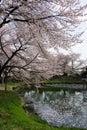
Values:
[(82, 48)]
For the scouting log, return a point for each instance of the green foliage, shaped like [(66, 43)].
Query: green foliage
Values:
[(13, 117), (53, 88), (84, 73), (67, 79)]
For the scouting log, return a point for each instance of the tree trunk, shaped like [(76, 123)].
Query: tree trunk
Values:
[(5, 80), (5, 86)]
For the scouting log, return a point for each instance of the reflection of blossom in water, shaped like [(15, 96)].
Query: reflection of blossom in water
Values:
[(76, 102), (61, 92), (60, 108)]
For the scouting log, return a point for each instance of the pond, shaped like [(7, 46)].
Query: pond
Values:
[(60, 107)]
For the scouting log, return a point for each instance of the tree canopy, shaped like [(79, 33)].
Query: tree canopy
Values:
[(28, 28)]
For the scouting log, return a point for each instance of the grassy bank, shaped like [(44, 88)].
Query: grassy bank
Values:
[(10, 85), (13, 117), (53, 88), (63, 79)]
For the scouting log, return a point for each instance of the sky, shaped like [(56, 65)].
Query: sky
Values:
[(82, 48)]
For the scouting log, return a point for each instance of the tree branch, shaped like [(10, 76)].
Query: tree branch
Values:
[(3, 49), (31, 60), (9, 59), (7, 16)]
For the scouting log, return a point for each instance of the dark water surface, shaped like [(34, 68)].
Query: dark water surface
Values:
[(60, 108)]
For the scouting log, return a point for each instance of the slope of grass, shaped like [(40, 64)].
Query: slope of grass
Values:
[(10, 85), (13, 117)]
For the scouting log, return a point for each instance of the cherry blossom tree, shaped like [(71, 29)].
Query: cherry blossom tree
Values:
[(76, 63), (28, 28), (69, 64), (48, 22)]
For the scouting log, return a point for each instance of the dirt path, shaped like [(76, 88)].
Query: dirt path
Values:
[(3, 88)]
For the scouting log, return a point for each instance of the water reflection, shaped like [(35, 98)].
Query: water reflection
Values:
[(60, 108)]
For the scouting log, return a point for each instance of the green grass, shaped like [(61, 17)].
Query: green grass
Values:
[(10, 85), (52, 88), (13, 117), (67, 79), (14, 84)]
